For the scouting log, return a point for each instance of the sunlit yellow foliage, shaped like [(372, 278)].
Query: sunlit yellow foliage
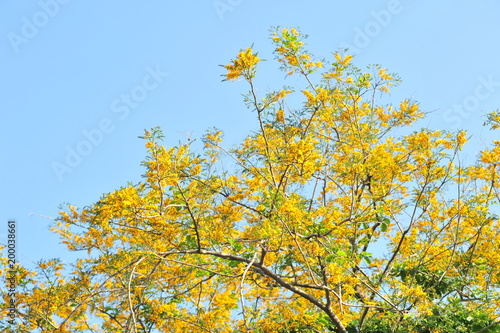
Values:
[(244, 65), (327, 220)]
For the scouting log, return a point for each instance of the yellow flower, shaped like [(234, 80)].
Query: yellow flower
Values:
[(342, 61), (243, 65), (383, 74), (384, 89), (461, 138), (280, 116)]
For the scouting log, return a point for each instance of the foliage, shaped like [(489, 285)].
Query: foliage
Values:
[(327, 222), (451, 317)]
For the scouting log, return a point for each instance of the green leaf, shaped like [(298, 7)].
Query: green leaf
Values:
[(236, 245), (233, 263)]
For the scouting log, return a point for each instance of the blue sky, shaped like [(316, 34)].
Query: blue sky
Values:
[(87, 77)]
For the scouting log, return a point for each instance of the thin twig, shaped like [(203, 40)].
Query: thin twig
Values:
[(250, 264), (129, 292)]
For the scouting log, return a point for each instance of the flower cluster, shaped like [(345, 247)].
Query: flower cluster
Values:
[(244, 65)]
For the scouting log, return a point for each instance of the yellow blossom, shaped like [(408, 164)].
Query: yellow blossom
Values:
[(280, 116), (244, 65)]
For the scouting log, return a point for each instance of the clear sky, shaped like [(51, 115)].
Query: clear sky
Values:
[(81, 80)]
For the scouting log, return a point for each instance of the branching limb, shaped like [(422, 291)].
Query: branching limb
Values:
[(242, 297)]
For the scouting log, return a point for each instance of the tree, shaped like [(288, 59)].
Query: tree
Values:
[(327, 222)]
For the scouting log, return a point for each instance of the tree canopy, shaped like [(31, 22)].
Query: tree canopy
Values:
[(324, 219)]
